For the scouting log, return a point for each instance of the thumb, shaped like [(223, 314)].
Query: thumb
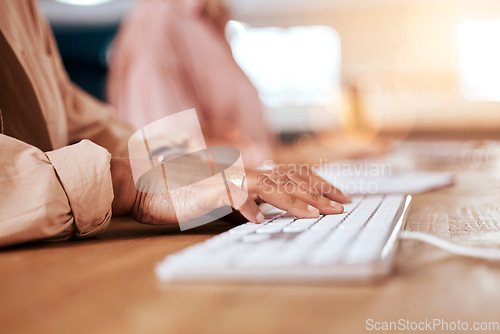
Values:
[(244, 204)]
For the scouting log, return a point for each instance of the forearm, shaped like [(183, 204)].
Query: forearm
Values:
[(124, 190)]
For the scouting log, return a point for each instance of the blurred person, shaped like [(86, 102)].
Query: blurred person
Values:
[(172, 55), (63, 166)]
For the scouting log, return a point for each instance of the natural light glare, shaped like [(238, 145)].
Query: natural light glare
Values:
[(479, 52), (289, 66), (84, 2)]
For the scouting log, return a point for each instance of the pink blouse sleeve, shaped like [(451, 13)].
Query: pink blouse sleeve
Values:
[(169, 57), (55, 195)]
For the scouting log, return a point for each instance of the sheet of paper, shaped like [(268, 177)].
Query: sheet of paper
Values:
[(373, 178)]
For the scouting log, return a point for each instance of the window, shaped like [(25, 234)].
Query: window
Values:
[(294, 69), (479, 60)]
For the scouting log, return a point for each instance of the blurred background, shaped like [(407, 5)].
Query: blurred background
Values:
[(380, 66)]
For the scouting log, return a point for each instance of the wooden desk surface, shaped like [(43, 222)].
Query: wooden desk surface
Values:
[(107, 284)]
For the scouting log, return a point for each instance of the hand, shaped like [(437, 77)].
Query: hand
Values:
[(297, 190), (294, 189)]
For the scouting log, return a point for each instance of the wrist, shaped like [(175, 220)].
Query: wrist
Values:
[(124, 189)]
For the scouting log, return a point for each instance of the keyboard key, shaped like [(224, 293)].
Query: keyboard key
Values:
[(325, 256), (270, 228), (305, 221), (273, 260), (323, 226), (282, 220), (255, 237), (354, 222), (297, 227), (349, 207), (244, 229), (222, 240), (334, 218), (328, 222), (270, 211), (365, 249)]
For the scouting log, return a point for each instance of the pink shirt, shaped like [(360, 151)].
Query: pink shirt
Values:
[(172, 55), (49, 190)]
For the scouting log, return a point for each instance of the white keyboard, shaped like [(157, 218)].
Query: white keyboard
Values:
[(356, 245)]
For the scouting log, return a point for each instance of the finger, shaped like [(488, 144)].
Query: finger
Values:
[(314, 183), (328, 190), (250, 210), (308, 180), (299, 190), (245, 204), (275, 195)]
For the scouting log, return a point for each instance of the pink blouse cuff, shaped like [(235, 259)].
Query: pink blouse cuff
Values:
[(84, 172)]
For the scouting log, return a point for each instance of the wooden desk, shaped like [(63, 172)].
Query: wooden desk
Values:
[(107, 284)]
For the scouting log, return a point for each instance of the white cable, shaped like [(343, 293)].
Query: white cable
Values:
[(478, 252)]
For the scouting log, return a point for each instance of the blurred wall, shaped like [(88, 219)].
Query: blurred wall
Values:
[(401, 54), (84, 53), (83, 35)]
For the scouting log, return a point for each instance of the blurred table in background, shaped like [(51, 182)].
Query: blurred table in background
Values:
[(107, 284), (337, 145)]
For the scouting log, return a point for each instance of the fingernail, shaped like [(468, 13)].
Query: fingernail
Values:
[(336, 205), (313, 210), (260, 217)]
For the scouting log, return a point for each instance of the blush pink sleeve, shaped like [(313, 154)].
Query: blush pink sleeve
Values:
[(55, 195)]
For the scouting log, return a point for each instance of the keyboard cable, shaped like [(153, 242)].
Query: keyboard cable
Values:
[(477, 252)]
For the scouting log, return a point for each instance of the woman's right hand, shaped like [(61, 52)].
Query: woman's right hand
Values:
[(296, 190)]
